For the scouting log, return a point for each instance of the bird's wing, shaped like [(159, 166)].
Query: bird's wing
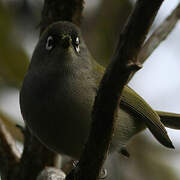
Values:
[(170, 120), (140, 109), (98, 70), (131, 100)]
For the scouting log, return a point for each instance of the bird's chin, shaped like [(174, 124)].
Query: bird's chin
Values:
[(67, 54)]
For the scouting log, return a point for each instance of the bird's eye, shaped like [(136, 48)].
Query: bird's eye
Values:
[(49, 43), (77, 41), (76, 44)]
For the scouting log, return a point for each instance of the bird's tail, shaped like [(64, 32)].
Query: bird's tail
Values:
[(170, 120)]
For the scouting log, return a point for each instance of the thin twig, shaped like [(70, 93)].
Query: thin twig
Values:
[(9, 155), (159, 35), (11, 126), (123, 64)]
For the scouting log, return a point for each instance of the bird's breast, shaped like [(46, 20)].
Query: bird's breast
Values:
[(57, 109)]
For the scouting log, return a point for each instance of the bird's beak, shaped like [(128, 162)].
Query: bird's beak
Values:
[(66, 41)]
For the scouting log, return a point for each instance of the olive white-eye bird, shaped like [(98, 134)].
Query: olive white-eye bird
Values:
[(58, 93)]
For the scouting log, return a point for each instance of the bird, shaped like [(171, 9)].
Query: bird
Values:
[(59, 89)]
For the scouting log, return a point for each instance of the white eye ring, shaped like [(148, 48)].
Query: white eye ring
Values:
[(49, 43), (77, 40), (76, 46)]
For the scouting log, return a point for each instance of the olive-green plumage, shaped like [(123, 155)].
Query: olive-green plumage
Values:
[(59, 89)]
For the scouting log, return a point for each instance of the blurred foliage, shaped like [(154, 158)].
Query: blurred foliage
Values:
[(147, 161), (13, 59), (100, 28)]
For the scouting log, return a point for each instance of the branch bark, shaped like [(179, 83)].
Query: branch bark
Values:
[(124, 64), (159, 35), (9, 155), (34, 159), (11, 127)]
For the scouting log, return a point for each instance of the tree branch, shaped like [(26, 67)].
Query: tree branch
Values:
[(9, 155), (34, 159), (123, 64), (64, 10), (159, 35), (11, 127)]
